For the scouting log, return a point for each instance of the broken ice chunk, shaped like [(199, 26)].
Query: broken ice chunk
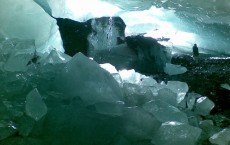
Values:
[(18, 61), (148, 81), (203, 106), (178, 87), (20, 55), (112, 70), (35, 107), (139, 124), (191, 100), (172, 69), (168, 96), (135, 95), (113, 109), (221, 138), (130, 76), (175, 133), (55, 57), (165, 112), (208, 129), (84, 78)]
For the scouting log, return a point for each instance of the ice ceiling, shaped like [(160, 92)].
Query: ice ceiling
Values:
[(185, 22)]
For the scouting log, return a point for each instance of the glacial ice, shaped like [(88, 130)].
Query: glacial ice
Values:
[(54, 57), (221, 138), (80, 73), (139, 124), (27, 20), (135, 95), (175, 133), (172, 69), (82, 98), (35, 107), (180, 88), (165, 112), (203, 106)]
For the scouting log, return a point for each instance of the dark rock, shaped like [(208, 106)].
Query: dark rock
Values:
[(152, 56), (74, 35)]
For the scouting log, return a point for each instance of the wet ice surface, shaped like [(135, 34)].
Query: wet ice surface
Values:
[(71, 100)]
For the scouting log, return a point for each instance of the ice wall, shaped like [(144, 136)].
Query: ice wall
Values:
[(24, 19), (182, 22)]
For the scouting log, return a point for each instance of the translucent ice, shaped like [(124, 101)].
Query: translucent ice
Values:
[(180, 88), (135, 95), (54, 57), (175, 133), (148, 81), (221, 138), (203, 106), (172, 69), (165, 112), (130, 76), (31, 22), (112, 70), (18, 54), (35, 107), (191, 100), (84, 78), (139, 124), (168, 96)]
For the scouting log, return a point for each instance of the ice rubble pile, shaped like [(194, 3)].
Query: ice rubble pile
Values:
[(62, 100)]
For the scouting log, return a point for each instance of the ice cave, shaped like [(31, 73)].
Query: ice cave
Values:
[(114, 72)]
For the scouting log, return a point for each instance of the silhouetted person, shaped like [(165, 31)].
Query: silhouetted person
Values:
[(195, 53)]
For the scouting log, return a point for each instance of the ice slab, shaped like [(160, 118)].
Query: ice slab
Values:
[(208, 129), (172, 69), (112, 70), (180, 88), (139, 124), (191, 100), (175, 133), (203, 106), (55, 57), (113, 109), (148, 81), (167, 95), (18, 53), (38, 25), (165, 112), (130, 76), (84, 78), (35, 107), (135, 95), (221, 138)]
